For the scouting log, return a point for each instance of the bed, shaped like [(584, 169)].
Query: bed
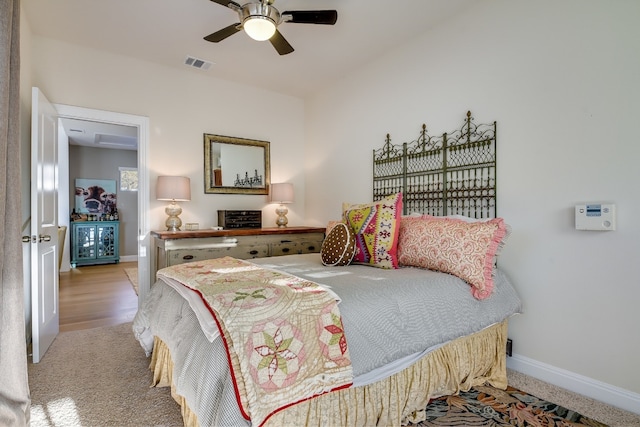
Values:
[(417, 301)]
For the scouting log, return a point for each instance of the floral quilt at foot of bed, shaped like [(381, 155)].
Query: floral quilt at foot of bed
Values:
[(284, 335)]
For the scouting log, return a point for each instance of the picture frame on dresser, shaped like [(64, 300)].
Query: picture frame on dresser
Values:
[(236, 165)]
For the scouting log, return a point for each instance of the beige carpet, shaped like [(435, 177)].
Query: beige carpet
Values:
[(132, 274), (100, 377), (612, 416)]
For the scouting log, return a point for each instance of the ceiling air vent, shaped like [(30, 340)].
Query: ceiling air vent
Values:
[(200, 64)]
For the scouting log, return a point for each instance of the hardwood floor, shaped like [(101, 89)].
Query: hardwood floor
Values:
[(96, 295)]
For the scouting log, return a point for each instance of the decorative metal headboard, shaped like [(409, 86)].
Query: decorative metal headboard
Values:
[(450, 174)]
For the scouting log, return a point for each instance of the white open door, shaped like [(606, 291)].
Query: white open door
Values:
[(44, 224)]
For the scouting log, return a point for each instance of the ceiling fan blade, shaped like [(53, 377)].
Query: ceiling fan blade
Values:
[(326, 17), (222, 34), (228, 3), (280, 44)]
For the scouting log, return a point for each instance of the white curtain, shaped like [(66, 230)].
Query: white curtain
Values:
[(14, 385)]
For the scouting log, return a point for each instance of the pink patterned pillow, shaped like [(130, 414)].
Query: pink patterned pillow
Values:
[(464, 249), (376, 227)]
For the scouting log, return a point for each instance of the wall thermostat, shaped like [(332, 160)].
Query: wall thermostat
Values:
[(596, 216)]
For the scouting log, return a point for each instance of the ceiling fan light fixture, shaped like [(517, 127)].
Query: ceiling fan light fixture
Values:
[(259, 28), (260, 20)]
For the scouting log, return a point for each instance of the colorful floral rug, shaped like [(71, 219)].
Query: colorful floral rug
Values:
[(488, 406)]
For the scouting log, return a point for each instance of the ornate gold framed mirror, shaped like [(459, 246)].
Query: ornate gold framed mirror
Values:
[(235, 165)]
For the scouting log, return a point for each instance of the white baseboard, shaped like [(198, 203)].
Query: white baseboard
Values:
[(612, 395), (129, 258)]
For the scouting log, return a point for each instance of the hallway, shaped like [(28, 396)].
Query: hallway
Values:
[(96, 295)]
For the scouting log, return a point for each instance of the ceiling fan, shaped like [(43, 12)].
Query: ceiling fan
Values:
[(260, 20)]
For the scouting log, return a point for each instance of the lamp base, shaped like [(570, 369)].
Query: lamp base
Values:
[(282, 220), (173, 223)]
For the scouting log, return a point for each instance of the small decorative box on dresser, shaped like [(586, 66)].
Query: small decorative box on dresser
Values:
[(240, 219), (177, 247)]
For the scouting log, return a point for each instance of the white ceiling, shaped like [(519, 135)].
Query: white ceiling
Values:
[(100, 135), (168, 31)]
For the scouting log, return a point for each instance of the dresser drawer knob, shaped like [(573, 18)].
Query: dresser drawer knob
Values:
[(187, 257), (285, 250), (253, 252), (312, 248)]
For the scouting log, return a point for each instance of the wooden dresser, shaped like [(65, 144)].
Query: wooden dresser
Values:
[(177, 247)]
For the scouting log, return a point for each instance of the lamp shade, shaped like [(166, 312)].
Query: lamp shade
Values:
[(173, 188), (281, 193)]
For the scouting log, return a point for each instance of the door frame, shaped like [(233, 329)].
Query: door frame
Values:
[(142, 124)]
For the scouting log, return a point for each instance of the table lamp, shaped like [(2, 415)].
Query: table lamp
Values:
[(173, 188), (282, 194)]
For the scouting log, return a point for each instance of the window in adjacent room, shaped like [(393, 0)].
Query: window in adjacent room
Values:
[(128, 179)]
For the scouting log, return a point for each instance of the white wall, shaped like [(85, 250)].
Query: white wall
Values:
[(181, 106), (561, 79)]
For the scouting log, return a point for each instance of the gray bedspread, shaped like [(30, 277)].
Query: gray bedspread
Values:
[(391, 318)]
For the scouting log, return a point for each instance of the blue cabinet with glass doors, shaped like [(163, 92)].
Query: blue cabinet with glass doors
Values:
[(94, 242)]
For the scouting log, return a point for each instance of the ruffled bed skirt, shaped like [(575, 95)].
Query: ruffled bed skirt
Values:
[(397, 400)]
